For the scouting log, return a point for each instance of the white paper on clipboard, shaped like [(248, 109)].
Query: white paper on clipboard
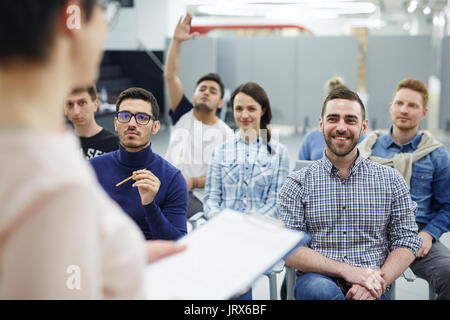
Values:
[(223, 257)]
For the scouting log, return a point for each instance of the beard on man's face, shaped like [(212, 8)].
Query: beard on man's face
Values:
[(336, 149), (344, 151), (203, 107)]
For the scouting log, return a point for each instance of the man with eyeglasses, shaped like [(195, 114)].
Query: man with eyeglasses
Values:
[(80, 109), (156, 196)]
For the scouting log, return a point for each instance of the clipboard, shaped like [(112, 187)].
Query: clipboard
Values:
[(224, 256)]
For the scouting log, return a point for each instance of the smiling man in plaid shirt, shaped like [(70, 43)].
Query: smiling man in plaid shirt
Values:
[(359, 213)]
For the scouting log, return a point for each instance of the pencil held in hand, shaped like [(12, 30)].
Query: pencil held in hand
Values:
[(125, 180)]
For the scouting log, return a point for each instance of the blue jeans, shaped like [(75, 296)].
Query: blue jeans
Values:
[(246, 296), (315, 286)]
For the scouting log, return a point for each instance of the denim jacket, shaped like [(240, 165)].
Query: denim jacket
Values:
[(430, 182)]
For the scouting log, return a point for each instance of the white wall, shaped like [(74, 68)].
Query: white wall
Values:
[(121, 35), (151, 22)]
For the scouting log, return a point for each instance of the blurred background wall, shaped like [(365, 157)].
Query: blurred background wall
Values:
[(291, 48)]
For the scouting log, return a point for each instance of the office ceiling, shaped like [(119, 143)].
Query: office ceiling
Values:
[(377, 14)]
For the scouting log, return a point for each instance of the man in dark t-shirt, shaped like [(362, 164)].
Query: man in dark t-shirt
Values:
[(103, 142), (80, 109)]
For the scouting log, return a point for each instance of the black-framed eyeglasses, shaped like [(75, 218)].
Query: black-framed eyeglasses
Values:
[(140, 117), (111, 8)]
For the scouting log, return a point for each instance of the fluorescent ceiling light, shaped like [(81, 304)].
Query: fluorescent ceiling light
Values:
[(346, 7), (322, 14), (292, 1), (412, 6), (320, 9), (230, 9), (439, 20)]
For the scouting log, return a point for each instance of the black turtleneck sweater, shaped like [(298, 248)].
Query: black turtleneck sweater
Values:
[(165, 217)]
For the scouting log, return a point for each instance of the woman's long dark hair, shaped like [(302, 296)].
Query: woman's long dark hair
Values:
[(255, 91)]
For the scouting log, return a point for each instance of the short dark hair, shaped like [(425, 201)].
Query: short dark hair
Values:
[(216, 78), (27, 27), (91, 90), (346, 94), (141, 94)]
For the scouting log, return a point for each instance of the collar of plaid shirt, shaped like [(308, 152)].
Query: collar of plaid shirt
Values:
[(332, 169)]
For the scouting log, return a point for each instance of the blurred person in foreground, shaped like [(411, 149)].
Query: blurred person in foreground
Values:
[(61, 237)]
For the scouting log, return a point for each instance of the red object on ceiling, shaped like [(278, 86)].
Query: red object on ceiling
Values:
[(207, 28)]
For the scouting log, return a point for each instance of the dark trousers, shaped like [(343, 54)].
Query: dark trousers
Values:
[(435, 269), (194, 205)]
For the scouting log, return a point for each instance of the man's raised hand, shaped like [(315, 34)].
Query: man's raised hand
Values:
[(183, 29)]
